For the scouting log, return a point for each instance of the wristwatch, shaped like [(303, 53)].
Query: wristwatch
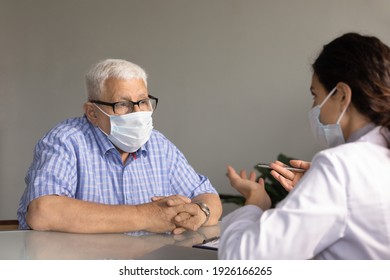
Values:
[(206, 210)]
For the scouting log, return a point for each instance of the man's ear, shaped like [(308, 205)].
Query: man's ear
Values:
[(345, 94), (90, 112)]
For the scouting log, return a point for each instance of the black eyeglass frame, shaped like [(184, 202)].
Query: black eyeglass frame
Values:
[(132, 102)]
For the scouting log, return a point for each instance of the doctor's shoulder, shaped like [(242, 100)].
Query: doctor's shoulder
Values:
[(343, 157), (336, 155)]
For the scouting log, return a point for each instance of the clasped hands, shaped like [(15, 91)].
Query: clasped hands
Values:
[(175, 213)]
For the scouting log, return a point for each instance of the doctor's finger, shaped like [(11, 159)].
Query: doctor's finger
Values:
[(232, 175), (286, 184), (282, 171), (231, 172), (278, 163), (300, 164), (252, 176), (243, 174)]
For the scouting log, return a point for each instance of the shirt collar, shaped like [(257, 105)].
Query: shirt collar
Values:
[(103, 143), (360, 132), (378, 135)]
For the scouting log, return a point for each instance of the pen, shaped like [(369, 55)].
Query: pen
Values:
[(210, 239), (266, 165)]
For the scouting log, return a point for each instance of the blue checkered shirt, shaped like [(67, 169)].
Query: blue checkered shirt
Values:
[(77, 160)]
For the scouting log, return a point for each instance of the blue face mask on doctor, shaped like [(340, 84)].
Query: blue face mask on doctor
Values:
[(327, 135)]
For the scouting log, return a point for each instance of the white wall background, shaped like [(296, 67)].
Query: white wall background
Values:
[(232, 76)]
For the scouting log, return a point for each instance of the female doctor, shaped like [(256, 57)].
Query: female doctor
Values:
[(340, 207)]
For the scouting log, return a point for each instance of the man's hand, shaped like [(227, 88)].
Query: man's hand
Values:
[(163, 211), (190, 218), (48, 213)]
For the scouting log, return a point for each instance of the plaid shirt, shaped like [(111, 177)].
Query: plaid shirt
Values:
[(76, 159)]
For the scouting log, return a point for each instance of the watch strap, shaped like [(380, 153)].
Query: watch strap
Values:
[(206, 210)]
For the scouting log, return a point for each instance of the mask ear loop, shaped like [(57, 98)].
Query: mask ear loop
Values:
[(329, 95), (101, 110), (342, 114), (103, 113)]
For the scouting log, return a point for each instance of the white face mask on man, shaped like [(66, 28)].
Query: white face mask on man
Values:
[(327, 135), (129, 132)]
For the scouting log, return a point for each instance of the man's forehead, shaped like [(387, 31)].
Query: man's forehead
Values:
[(125, 87)]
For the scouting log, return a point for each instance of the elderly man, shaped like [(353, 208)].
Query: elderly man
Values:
[(110, 171)]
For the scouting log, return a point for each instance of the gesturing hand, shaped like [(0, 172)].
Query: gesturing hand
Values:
[(254, 192)]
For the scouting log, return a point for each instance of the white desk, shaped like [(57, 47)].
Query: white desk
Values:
[(15, 245)]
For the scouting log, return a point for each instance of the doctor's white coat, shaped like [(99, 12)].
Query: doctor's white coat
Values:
[(340, 209)]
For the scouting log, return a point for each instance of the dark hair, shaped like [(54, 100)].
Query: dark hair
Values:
[(362, 62)]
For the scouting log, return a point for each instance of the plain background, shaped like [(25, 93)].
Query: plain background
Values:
[(232, 76)]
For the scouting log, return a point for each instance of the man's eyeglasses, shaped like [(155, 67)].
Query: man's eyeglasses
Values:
[(127, 107)]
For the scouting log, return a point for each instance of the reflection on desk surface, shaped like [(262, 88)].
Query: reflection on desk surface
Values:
[(172, 252), (42, 245)]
